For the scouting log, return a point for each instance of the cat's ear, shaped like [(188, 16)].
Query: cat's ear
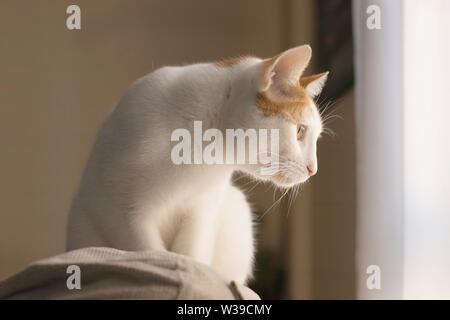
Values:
[(285, 69), (314, 84)]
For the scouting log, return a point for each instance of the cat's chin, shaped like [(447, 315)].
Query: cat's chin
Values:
[(285, 182), (278, 179)]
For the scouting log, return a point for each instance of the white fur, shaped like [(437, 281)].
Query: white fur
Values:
[(133, 197)]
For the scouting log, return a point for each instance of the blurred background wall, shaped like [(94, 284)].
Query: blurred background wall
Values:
[(56, 86)]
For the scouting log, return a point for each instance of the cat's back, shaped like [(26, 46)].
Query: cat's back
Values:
[(138, 130), (174, 78), (170, 97)]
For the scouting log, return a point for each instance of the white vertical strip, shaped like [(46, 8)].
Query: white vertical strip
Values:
[(379, 127), (427, 149)]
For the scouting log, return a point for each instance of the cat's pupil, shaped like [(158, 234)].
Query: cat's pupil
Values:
[(301, 132)]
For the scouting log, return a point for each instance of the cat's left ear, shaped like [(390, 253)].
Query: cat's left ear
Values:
[(285, 69), (314, 84)]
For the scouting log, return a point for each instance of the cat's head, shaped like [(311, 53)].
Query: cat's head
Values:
[(272, 94)]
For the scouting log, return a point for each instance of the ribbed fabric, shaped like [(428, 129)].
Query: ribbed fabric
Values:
[(108, 273)]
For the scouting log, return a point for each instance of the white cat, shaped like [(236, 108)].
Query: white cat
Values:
[(133, 197)]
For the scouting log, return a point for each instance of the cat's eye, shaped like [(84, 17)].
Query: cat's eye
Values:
[(301, 131)]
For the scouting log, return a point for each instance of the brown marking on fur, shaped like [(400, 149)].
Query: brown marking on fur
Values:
[(231, 61), (294, 105)]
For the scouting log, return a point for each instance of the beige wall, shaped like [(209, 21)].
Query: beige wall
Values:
[(334, 208)]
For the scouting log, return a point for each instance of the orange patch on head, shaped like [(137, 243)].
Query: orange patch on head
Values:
[(294, 105), (231, 61)]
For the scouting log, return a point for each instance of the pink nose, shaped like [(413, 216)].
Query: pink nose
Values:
[(311, 172)]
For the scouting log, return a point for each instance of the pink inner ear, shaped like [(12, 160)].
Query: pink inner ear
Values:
[(314, 84), (289, 66), (284, 70), (266, 74)]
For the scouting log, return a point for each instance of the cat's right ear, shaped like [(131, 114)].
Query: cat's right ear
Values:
[(284, 69)]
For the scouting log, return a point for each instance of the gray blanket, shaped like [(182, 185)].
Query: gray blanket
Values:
[(106, 273)]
